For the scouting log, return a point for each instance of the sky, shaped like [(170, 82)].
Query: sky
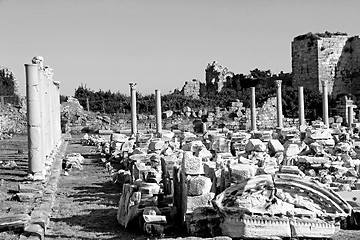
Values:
[(159, 44)]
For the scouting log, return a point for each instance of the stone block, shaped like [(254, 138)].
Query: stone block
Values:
[(292, 150), (191, 164), (240, 172), (25, 197), (13, 221), (199, 201), (275, 146), (118, 137), (156, 145), (35, 230), (318, 134), (258, 227), (198, 185), (29, 188), (312, 228), (203, 222), (193, 146), (250, 146)]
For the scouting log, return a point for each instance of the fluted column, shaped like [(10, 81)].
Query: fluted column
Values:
[(325, 103), (301, 107), (279, 104), (35, 155), (133, 108), (253, 109), (158, 112)]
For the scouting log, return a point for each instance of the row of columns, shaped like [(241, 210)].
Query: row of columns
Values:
[(279, 113), (133, 110), (43, 116), (280, 123)]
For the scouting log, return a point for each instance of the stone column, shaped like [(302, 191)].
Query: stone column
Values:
[(253, 109), (35, 155), (133, 108), (57, 112), (325, 103), (204, 127), (350, 116), (301, 107), (279, 104), (158, 112)]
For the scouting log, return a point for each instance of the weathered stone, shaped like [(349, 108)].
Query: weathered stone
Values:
[(192, 164), (250, 146), (314, 228), (13, 221), (240, 172), (292, 150), (156, 145), (203, 222), (25, 197), (199, 201), (275, 146), (256, 227), (198, 185)]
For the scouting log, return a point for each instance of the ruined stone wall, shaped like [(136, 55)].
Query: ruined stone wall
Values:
[(216, 76), (305, 62), (329, 53), (192, 89), (347, 74), (315, 58), (9, 86), (334, 58)]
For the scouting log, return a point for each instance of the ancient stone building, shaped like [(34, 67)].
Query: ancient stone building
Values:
[(192, 89), (331, 57), (9, 87), (216, 76)]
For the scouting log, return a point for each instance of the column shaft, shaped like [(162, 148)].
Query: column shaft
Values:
[(301, 106), (158, 112), (253, 109), (133, 108), (35, 155), (279, 104), (350, 116), (325, 104)]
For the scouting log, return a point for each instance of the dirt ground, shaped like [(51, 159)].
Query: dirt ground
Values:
[(86, 203)]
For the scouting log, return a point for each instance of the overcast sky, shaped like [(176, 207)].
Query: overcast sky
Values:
[(160, 44)]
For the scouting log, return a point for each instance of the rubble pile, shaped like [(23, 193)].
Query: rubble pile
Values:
[(12, 121), (285, 178)]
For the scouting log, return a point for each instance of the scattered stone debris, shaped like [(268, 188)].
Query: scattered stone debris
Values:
[(72, 161), (286, 182)]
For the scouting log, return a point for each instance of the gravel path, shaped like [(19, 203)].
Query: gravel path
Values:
[(86, 204)]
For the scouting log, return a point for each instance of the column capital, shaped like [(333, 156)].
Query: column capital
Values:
[(278, 83), (132, 86), (39, 60)]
